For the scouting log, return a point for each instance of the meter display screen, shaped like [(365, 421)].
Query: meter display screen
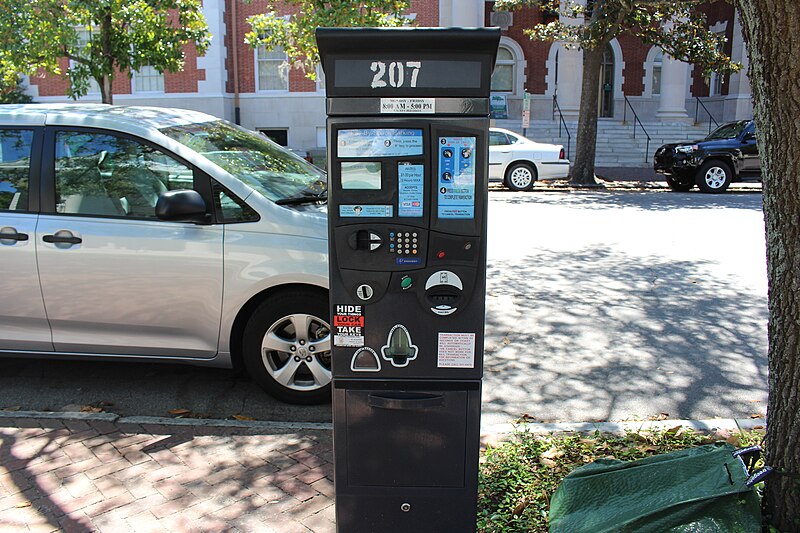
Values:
[(456, 180), (364, 175), (379, 142)]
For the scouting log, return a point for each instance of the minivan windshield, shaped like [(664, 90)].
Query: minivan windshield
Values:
[(252, 158), (730, 130)]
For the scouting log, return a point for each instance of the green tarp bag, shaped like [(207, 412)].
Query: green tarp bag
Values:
[(699, 490)]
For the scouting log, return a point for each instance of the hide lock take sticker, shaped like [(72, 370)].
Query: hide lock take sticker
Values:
[(456, 350), (348, 325)]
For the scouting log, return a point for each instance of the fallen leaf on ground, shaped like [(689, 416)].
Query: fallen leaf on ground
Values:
[(552, 453), (242, 417), (755, 415), (506, 342), (179, 411), (520, 507), (15, 408), (547, 462), (91, 409), (23, 504)]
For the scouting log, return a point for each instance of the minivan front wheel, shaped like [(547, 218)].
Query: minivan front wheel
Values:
[(287, 347)]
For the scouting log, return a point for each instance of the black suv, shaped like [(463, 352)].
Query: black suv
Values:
[(728, 154)]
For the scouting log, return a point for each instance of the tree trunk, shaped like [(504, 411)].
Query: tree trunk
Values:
[(106, 93), (774, 75), (586, 142)]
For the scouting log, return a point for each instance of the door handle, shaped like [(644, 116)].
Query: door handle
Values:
[(67, 239), (408, 401), (12, 235)]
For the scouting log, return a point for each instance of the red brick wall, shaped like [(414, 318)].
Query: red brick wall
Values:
[(535, 51), (52, 85), (185, 81), (634, 54), (716, 12), (427, 12)]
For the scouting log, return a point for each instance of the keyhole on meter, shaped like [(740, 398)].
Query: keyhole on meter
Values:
[(364, 292)]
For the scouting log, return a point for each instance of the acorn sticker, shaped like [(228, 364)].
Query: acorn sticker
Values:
[(399, 349)]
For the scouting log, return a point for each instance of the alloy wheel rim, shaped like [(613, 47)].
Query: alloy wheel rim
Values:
[(521, 177), (715, 177), (296, 351)]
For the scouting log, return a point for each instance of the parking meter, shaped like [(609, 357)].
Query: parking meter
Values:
[(407, 157)]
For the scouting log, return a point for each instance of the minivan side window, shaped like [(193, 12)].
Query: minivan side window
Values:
[(15, 167), (108, 175)]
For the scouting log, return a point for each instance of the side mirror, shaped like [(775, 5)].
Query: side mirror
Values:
[(181, 206), (749, 136)]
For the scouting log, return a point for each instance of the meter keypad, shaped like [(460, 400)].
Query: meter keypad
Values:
[(403, 243)]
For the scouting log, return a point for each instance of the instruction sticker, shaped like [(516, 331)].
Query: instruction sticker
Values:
[(410, 189), (348, 325), (456, 179), (456, 350), (375, 211), (382, 142)]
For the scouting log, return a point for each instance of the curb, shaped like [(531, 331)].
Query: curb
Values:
[(711, 425)]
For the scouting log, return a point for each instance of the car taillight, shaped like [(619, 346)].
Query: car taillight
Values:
[(562, 154)]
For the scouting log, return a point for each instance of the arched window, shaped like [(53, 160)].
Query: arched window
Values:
[(504, 74), (655, 88)]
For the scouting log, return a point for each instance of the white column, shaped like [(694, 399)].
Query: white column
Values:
[(461, 13), (570, 75), (674, 80), (739, 102)]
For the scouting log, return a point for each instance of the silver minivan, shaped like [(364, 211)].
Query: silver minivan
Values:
[(138, 233)]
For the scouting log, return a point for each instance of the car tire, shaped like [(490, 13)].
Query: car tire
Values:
[(678, 186), (287, 347), (714, 176), (520, 177)]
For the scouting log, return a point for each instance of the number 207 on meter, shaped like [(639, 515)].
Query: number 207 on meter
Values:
[(396, 73)]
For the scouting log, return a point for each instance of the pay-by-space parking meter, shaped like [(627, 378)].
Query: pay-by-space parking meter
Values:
[(407, 158)]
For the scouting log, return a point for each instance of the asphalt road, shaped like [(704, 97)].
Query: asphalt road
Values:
[(600, 306)]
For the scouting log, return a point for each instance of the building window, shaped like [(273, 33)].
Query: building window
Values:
[(656, 86), (715, 84), (320, 78), (279, 136), (504, 71), (272, 69), (84, 36), (148, 80)]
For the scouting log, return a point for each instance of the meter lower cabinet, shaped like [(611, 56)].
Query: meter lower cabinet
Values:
[(410, 456)]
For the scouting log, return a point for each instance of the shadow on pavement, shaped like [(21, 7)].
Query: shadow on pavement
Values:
[(663, 331)]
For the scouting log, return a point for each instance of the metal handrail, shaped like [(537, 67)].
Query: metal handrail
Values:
[(556, 107), (635, 121), (697, 106)]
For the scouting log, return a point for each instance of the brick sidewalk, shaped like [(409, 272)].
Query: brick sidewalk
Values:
[(76, 475)]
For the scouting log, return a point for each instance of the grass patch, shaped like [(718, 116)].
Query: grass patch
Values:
[(518, 476)]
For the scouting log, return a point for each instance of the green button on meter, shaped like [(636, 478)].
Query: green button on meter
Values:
[(406, 282)]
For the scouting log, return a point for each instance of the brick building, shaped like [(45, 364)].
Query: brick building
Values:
[(257, 89)]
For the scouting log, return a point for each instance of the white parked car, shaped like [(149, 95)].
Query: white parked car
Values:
[(518, 162), (135, 233)]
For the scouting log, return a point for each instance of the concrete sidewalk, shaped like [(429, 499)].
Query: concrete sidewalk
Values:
[(95, 475)]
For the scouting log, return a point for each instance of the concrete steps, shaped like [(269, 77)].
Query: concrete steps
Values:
[(616, 144)]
